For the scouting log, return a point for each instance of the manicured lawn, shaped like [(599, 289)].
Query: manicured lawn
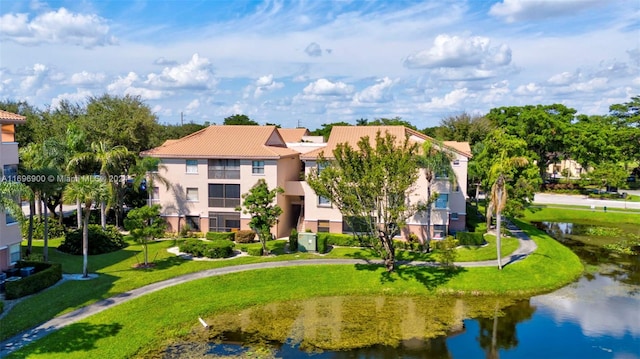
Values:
[(147, 323), (579, 215)]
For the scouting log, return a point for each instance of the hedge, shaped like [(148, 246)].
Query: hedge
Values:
[(339, 239), (45, 275), (245, 236), (293, 240), (218, 248), (55, 228), (408, 246), (322, 244), (470, 238), (100, 241), (229, 236), (257, 251)]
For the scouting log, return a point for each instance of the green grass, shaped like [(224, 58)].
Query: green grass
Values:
[(579, 215), (144, 324)]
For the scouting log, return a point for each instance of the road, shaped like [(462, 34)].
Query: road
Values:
[(580, 200)]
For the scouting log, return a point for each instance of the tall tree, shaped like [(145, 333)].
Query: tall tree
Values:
[(628, 123), (463, 128), (145, 224), (594, 139), (608, 174), (544, 128), (239, 120), (371, 183), (88, 190), (258, 203), (435, 162), (29, 131)]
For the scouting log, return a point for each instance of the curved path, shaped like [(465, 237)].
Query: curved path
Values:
[(526, 247)]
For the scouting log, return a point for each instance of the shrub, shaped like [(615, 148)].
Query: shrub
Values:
[(245, 236), (1, 306), (470, 238), (218, 248), (100, 241), (339, 239), (293, 240), (448, 252), (255, 251), (55, 228), (45, 275), (322, 244), (229, 236)]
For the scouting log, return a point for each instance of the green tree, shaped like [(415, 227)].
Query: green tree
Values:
[(594, 140), (10, 195), (325, 129), (371, 183), (396, 121), (239, 120), (628, 123), (435, 162), (145, 224), (463, 128), (544, 128), (88, 190), (608, 174), (258, 202)]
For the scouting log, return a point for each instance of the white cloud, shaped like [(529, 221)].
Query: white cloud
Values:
[(265, 84), (528, 89), (195, 74), (324, 87), (193, 105), (122, 83), (76, 97), (456, 51), (125, 86), (449, 100), (59, 26), (563, 78), (87, 79), (375, 93), (523, 10), (35, 81)]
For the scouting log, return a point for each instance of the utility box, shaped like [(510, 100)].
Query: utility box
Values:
[(307, 242)]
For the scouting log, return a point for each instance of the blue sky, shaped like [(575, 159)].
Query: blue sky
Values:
[(315, 62)]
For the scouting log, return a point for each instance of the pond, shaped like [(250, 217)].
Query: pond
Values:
[(596, 317)]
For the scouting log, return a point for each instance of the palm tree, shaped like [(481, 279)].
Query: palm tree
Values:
[(148, 168), (108, 159), (435, 162), (498, 199), (10, 193), (87, 190)]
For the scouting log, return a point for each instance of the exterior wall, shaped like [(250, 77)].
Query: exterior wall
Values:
[(10, 234), (288, 170)]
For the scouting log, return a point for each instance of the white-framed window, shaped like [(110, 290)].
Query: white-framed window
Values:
[(192, 194), (454, 216), (442, 202), (14, 253), (192, 166), (439, 231), (324, 202), (257, 167)]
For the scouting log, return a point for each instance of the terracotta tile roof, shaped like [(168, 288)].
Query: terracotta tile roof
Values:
[(226, 142), (293, 134), (352, 134), (6, 116)]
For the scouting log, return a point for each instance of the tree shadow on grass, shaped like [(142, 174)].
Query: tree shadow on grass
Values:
[(428, 274), (73, 338)]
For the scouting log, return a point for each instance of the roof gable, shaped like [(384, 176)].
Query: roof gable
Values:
[(226, 142), (10, 117)]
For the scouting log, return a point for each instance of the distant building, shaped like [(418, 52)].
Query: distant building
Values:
[(209, 171), (10, 234)]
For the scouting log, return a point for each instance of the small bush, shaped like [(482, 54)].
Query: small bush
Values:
[(293, 240), (55, 228), (218, 248), (100, 241), (245, 236), (408, 246), (470, 238), (229, 236), (255, 251), (448, 252), (322, 244), (339, 239), (46, 275), (1, 306)]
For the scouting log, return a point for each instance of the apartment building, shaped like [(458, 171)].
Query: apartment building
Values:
[(10, 235), (209, 170)]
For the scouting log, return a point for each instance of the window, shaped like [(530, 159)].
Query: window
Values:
[(14, 251), (257, 167), (155, 194), (320, 167), (224, 169), (9, 219), (443, 201), (193, 222), (352, 224), (323, 226), (192, 166), (456, 162), (439, 231), (192, 194), (454, 216), (10, 172), (224, 195), (224, 222), (324, 202)]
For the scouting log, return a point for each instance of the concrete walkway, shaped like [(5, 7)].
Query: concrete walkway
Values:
[(526, 247)]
